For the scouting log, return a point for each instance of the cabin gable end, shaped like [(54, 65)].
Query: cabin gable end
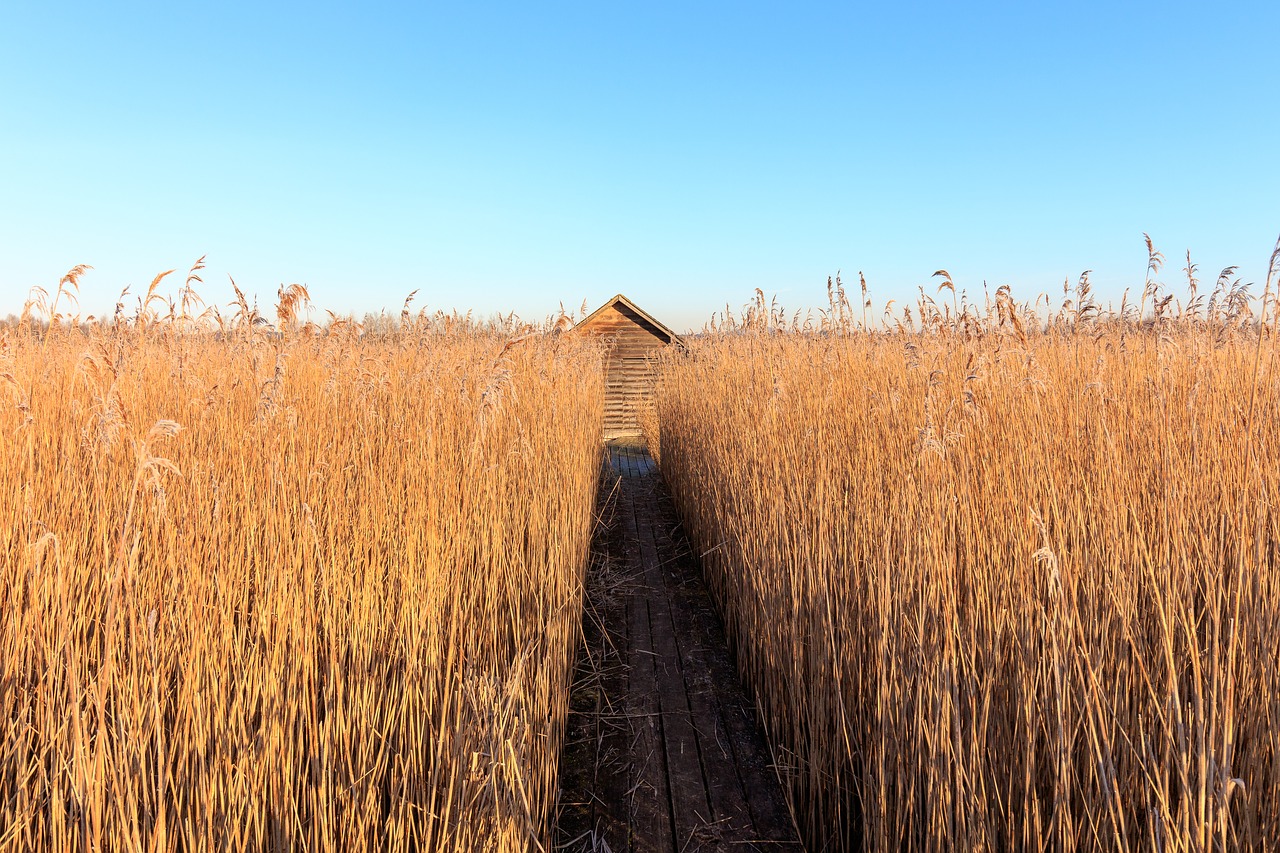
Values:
[(633, 337)]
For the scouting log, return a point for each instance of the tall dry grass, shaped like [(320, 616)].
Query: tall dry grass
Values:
[(278, 588), (1001, 579)]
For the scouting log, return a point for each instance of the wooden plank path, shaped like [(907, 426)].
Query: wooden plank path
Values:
[(663, 751)]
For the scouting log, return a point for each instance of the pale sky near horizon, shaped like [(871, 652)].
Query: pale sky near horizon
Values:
[(502, 157)]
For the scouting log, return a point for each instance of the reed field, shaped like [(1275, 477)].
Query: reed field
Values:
[(1003, 575), (287, 587)]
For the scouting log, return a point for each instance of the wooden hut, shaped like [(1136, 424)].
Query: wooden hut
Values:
[(634, 336)]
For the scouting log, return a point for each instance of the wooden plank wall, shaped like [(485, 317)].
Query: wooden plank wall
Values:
[(629, 376)]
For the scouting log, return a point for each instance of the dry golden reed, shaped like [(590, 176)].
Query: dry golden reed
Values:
[(1000, 579), (287, 588)]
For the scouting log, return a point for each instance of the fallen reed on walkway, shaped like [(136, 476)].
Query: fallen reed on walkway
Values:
[(1000, 582), (306, 589)]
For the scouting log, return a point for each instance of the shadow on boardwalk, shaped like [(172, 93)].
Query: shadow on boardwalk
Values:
[(663, 751)]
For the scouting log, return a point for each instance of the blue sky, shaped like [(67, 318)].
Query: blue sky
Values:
[(511, 156)]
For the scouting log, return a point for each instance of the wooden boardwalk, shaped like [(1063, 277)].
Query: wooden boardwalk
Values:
[(664, 752)]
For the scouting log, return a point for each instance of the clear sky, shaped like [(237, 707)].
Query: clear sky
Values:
[(510, 156)]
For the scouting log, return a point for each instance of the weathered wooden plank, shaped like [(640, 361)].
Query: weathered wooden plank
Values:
[(726, 794), (632, 366), (650, 794), (698, 776), (733, 752), (629, 347), (690, 806)]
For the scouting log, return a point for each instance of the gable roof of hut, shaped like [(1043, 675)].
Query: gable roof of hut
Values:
[(642, 318)]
